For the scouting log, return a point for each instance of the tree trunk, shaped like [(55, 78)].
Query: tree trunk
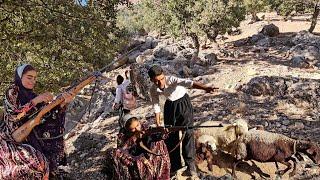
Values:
[(314, 17), (90, 3), (254, 18), (212, 35), (196, 43), (1, 114)]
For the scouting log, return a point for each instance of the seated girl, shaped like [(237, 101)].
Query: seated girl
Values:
[(131, 161)]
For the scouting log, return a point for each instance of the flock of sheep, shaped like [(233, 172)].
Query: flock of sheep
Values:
[(253, 144)]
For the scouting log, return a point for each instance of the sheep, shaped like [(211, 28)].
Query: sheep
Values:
[(224, 160), (217, 138), (221, 137), (265, 146)]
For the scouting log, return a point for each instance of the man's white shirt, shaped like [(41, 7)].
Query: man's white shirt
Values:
[(175, 88)]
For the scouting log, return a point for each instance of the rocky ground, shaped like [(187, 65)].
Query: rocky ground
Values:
[(269, 78)]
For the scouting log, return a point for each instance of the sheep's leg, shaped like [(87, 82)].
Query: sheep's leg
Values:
[(278, 172), (293, 172), (261, 173), (299, 157), (209, 161), (234, 168), (277, 166), (282, 172)]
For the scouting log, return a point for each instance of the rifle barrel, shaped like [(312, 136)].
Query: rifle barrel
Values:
[(194, 127)]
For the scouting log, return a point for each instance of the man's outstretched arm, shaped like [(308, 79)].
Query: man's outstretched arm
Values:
[(208, 89)]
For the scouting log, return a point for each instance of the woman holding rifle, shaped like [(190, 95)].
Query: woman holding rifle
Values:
[(36, 154)]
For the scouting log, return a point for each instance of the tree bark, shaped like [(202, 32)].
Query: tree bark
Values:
[(90, 3), (254, 18), (196, 43), (314, 17), (212, 35)]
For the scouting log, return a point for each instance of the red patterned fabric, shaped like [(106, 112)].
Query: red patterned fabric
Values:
[(131, 162), (21, 161), (34, 158)]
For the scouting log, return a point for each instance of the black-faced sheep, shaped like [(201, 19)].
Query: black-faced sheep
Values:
[(265, 146)]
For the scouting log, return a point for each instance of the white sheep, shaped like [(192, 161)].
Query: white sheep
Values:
[(217, 138), (221, 137)]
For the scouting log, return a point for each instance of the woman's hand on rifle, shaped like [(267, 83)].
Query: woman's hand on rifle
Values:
[(68, 97), (45, 97)]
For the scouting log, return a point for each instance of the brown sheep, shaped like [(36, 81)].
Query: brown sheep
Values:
[(265, 146), (224, 160)]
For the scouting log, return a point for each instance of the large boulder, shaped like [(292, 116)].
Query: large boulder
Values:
[(265, 86), (150, 43), (309, 51), (210, 59), (187, 53), (241, 42), (133, 56), (294, 90), (256, 37), (265, 42), (140, 79), (198, 70), (167, 52), (305, 37), (206, 57), (185, 71), (304, 55), (270, 30), (300, 62), (145, 57)]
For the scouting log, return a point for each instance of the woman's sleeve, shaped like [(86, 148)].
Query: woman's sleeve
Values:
[(125, 157), (12, 107)]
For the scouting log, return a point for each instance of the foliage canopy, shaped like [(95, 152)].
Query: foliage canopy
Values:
[(182, 18), (63, 40)]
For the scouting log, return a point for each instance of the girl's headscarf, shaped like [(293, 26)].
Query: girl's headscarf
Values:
[(25, 95)]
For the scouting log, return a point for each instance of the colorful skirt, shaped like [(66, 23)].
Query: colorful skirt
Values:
[(21, 161), (121, 165)]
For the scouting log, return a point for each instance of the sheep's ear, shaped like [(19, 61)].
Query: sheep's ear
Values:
[(312, 152)]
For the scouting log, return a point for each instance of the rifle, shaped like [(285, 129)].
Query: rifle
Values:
[(23, 131), (137, 137)]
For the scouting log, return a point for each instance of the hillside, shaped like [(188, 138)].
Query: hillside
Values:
[(260, 79)]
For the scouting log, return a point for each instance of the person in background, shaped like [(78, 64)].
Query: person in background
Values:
[(178, 111), (42, 151), (125, 100)]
